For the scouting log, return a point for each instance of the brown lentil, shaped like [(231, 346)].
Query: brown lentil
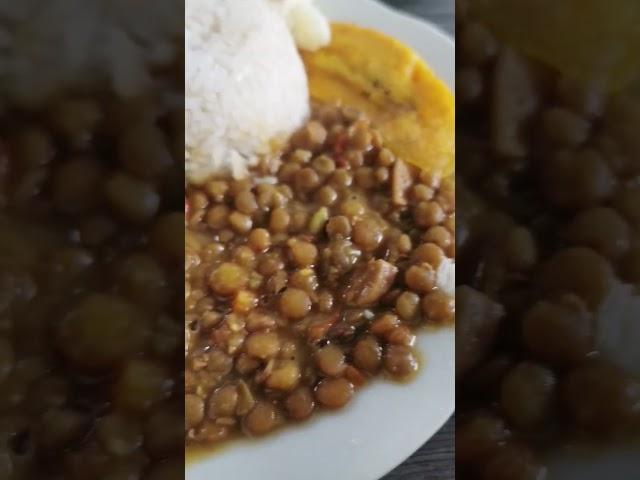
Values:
[(400, 361), (438, 308), (420, 278), (262, 419), (334, 392), (295, 303), (330, 360), (300, 403)]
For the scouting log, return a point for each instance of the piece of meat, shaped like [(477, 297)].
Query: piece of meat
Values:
[(369, 283), (401, 182), (477, 321), (338, 258), (319, 327)]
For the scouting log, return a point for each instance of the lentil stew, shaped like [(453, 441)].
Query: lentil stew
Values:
[(309, 278)]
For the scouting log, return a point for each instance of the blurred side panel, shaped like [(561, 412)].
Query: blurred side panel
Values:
[(548, 182), (91, 240)]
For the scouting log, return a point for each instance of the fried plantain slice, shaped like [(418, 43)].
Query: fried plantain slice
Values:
[(386, 79)]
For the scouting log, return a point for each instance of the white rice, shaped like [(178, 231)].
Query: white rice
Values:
[(246, 88), (446, 276)]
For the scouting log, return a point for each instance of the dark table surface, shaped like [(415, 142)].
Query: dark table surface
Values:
[(435, 459)]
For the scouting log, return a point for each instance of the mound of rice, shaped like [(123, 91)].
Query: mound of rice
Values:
[(246, 88)]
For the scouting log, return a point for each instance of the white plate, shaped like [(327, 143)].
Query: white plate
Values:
[(385, 423)]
